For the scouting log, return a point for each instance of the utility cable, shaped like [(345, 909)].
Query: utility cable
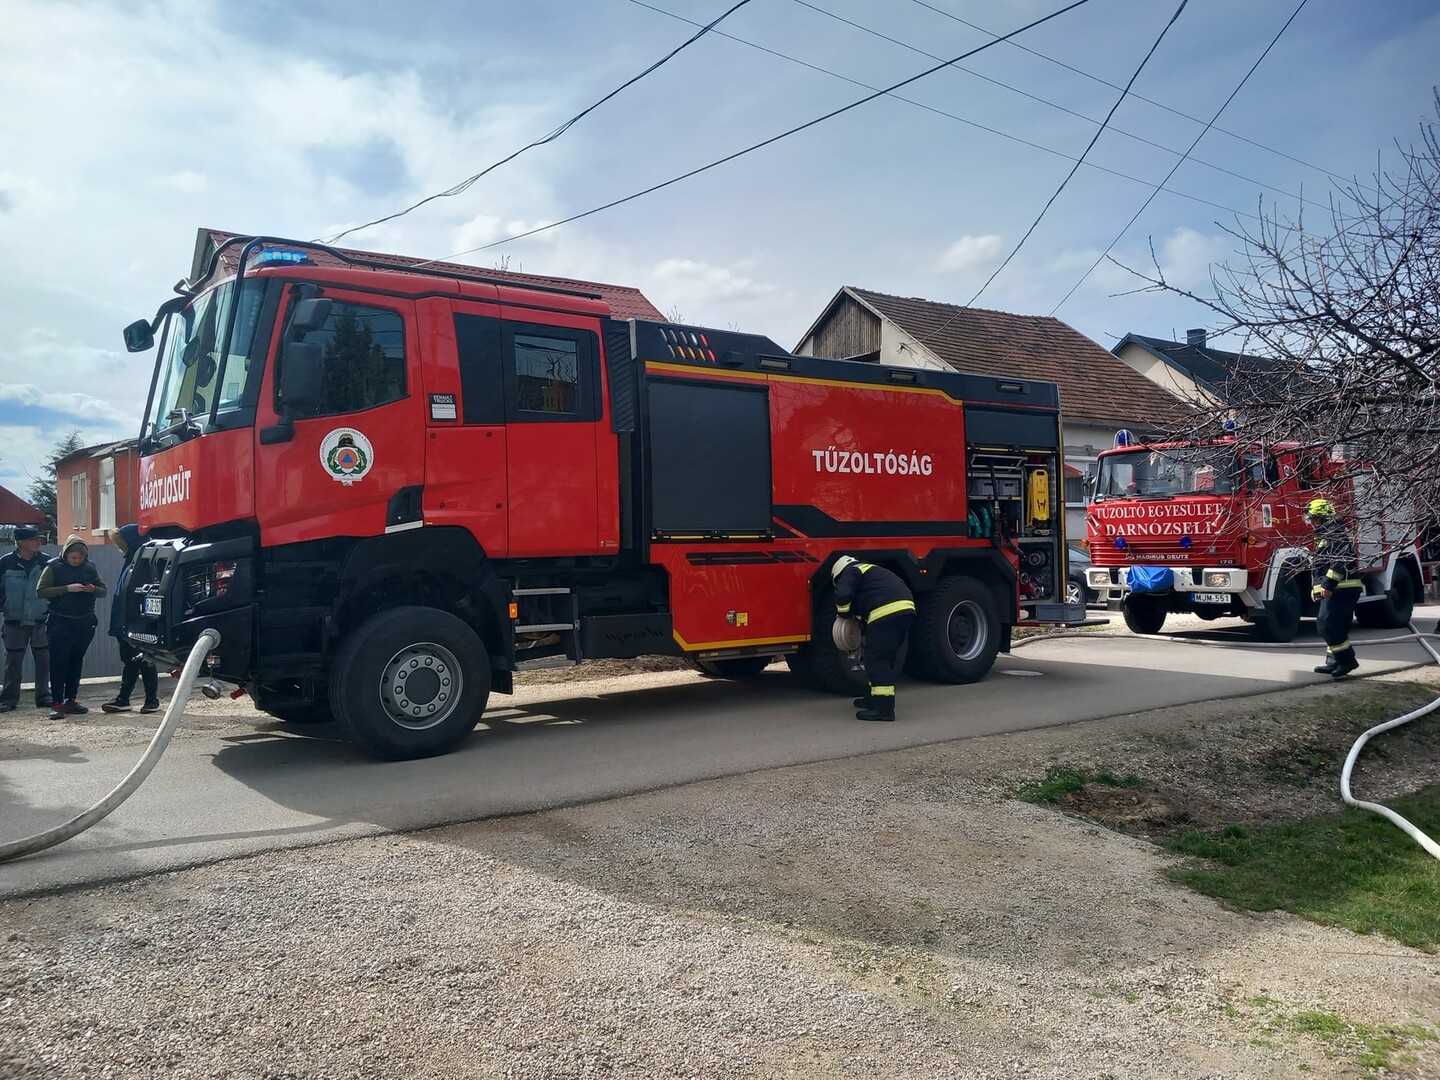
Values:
[(1076, 167), (1300, 197), (975, 124), (765, 142), (464, 185), (1140, 97), (1177, 164)]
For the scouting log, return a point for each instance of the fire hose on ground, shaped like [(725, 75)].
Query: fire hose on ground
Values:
[(15, 849), (1430, 846)]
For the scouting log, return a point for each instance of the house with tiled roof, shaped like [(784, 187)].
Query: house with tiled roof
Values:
[(1099, 394), (16, 511), (97, 488), (626, 302), (1193, 370)]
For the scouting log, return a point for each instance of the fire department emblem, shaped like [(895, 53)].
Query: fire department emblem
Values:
[(346, 455)]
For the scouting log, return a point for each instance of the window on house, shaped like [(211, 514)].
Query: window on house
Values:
[(107, 494), (79, 503)]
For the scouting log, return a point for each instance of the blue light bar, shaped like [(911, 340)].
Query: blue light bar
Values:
[(1124, 437), (280, 255)]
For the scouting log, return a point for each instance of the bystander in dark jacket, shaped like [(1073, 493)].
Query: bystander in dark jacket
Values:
[(127, 538), (71, 583), (24, 611)]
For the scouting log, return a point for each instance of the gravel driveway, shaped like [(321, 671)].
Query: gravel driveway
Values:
[(892, 915)]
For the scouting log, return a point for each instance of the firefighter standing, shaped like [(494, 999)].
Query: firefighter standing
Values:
[(883, 602), (1336, 576)]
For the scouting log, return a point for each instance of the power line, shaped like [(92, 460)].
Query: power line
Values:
[(1042, 100), (1177, 164), (1076, 167), (464, 185), (765, 142), (1139, 97), (973, 123)]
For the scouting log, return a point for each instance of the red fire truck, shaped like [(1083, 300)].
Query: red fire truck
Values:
[(390, 490), (1215, 529)]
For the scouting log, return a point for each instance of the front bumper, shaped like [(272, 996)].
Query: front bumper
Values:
[(1112, 581), (165, 610)]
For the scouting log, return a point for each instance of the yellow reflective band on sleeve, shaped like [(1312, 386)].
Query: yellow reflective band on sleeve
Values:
[(882, 691), (865, 567), (1334, 575), (891, 608), (843, 609), (1351, 583)]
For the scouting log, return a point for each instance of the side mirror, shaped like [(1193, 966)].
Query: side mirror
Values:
[(300, 375), (1092, 474), (309, 315), (139, 336)]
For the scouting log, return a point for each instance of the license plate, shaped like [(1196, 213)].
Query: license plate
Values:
[(1211, 597), (154, 605)]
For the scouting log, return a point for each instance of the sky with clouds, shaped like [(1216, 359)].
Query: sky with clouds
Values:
[(125, 126)]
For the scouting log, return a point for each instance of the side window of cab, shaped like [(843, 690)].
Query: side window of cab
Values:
[(362, 352)]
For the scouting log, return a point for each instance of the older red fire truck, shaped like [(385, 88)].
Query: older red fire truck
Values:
[(1215, 529), (389, 490)]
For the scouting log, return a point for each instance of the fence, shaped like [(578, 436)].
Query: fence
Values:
[(103, 657)]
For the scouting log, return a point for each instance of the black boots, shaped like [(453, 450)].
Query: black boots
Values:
[(877, 708), (1338, 665)]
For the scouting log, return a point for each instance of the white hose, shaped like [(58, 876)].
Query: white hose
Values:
[(1375, 808), (207, 641)]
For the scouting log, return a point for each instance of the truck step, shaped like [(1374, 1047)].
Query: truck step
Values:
[(541, 592), (544, 628), (546, 662)]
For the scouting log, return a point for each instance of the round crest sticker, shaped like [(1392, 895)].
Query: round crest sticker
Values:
[(346, 455)]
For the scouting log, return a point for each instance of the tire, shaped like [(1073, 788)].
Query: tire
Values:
[(1393, 612), (448, 665), (1144, 614), (735, 667), (1281, 621), (1074, 592), (818, 663), (956, 633)]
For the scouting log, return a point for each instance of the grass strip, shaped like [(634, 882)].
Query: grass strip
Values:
[(1350, 869)]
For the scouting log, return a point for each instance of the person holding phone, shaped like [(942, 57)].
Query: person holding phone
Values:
[(71, 584)]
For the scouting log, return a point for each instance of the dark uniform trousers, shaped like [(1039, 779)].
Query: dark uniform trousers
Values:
[(883, 638), (1333, 619), (18, 637)]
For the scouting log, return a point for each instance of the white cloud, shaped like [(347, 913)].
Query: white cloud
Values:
[(73, 403), (186, 180), (714, 283), (1186, 257), (969, 252)]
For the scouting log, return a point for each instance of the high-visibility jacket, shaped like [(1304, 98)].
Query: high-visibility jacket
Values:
[(871, 592), (1334, 564)]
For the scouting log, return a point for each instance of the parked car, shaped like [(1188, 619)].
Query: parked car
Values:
[(1076, 591)]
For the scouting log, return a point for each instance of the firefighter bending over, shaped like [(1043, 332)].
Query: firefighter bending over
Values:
[(884, 604), (1336, 577)]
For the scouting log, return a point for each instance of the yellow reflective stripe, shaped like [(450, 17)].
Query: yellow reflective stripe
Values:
[(891, 608), (1351, 583), (1338, 648), (843, 609), (1334, 575), (882, 691), (865, 567)]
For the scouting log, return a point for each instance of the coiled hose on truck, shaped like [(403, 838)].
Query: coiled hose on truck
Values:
[(1409, 828), (15, 849)]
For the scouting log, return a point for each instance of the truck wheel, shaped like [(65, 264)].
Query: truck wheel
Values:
[(956, 633), (410, 682), (824, 666), (1394, 612), (736, 667), (1144, 614), (1281, 621)]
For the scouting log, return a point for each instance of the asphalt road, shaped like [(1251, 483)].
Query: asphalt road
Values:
[(216, 798)]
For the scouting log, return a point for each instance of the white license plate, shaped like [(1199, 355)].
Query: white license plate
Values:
[(154, 605), (1211, 597)]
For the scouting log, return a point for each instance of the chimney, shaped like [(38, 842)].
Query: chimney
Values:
[(1195, 338)]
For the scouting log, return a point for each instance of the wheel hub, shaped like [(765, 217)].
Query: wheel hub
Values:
[(967, 630), (420, 686)]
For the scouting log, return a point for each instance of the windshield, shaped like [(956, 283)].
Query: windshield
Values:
[(190, 369), (1177, 470)]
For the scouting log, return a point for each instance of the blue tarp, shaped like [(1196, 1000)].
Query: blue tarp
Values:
[(1149, 578)]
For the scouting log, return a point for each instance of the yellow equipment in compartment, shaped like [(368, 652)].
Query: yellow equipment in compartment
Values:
[(1037, 498)]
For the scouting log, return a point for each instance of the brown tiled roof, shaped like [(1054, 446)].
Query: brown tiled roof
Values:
[(16, 511), (1094, 385), (626, 302)]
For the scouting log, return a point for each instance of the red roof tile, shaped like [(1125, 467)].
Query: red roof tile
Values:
[(16, 511), (626, 302), (1094, 385)]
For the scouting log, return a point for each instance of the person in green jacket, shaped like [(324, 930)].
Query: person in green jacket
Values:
[(71, 583)]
